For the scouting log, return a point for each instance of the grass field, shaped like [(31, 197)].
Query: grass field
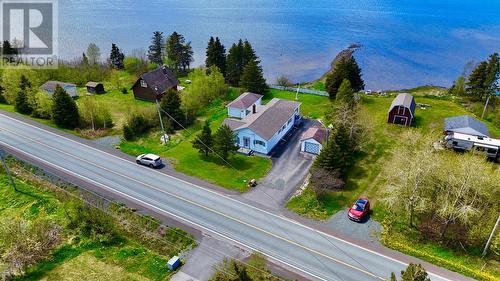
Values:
[(77, 257)]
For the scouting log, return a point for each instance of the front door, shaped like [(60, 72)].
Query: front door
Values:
[(246, 142)]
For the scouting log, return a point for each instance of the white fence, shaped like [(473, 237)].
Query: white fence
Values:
[(301, 90)]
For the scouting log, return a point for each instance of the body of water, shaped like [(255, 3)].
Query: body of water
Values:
[(406, 43)]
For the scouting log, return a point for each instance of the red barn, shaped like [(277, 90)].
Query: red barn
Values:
[(402, 111)]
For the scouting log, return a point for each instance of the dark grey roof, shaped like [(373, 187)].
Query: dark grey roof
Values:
[(50, 87), (405, 100), (269, 118), (159, 80), (466, 125), (245, 100)]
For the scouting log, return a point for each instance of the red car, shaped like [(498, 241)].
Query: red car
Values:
[(359, 210)]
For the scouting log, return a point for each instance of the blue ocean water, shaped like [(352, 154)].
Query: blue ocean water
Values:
[(405, 42)]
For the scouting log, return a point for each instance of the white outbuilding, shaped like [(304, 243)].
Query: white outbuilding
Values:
[(313, 139)]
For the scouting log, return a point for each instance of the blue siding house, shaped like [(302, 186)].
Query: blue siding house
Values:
[(260, 127)]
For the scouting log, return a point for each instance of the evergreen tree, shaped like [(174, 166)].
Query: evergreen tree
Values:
[(64, 111), (224, 142), (345, 93), (2, 97), (204, 141), (337, 154), (393, 277), (171, 104), (252, 79), (85, 60), (216, 55), (234, 64), (248, 54), (483, 81), (346, 68), (116, 57), (414, 272), (155, 52), (22, 103), (7, 49), (179, 54)]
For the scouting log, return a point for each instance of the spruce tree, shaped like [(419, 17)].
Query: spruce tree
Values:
[(85, 60), (2, 97), (336, 156), (346, 68), (22, 104), (64, 110), (234, 64), (7, 49), (179, 54), (414, 272), (224, 142), (345, 93), (477, 81), (252, 79), (116, 57), (216, 55), (155, 52), (171, 105), (204, 141)]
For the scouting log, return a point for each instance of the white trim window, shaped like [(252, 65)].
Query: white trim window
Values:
[(259, 142), (144, 84)]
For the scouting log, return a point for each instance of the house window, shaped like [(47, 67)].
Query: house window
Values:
[(258, 142), (237, 140), (289, 121), (144, 84)]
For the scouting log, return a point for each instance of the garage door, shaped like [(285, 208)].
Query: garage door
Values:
[(311, 147)]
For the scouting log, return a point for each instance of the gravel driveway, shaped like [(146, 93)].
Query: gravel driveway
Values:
[(290, 167), (367, 230)]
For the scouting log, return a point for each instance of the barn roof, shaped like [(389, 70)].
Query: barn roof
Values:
[(405, 100), (268, 119), (159, 80), (466, 125), (245, 100), (318, 134)]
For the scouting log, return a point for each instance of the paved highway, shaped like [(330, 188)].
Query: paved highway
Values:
[(317, 255)]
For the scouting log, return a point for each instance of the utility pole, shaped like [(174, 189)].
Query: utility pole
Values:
[(161, 122), (2, 155), (491, 236), (297, 93)]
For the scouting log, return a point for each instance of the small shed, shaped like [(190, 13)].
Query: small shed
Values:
[(50, 87), (95, 87), (174, 263), (313, 139), (402, 110)]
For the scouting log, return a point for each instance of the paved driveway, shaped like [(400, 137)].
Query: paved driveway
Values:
[(290, 167)]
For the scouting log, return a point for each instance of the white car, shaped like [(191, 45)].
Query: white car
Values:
[(150, 160)]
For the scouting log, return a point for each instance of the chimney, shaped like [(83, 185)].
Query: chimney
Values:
[(254, 109)]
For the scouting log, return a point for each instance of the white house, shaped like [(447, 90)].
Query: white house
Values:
[(313, 139), (262, 126), (244, 105)]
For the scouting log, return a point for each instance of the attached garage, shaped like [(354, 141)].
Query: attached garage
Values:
[(313, 139)]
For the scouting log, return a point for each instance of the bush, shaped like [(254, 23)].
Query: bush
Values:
[(91, 221), (324, 180), (124, 91), (94, 115), (140, 122), (42, 107)]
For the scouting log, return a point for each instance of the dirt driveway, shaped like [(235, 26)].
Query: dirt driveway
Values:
[(290, 167)]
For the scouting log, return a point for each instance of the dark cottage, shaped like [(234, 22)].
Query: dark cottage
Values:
[(152, 85), (95, 87), (402, 111)]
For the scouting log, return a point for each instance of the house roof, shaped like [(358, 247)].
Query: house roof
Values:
[(268, 119), (405, 100), (50, 87), (92, 84), (317, 133), (159, 80), (245, 100), (466, 125)]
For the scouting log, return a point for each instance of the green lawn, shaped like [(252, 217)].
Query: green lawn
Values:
[(77, 257), (188, 160), (313, 106)]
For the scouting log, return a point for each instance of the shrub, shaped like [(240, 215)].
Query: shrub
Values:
[(91, 221), (324, 180), (140, 122), (42, 107), (64, 109), (128, 134), (94, 115), (124, 91)]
